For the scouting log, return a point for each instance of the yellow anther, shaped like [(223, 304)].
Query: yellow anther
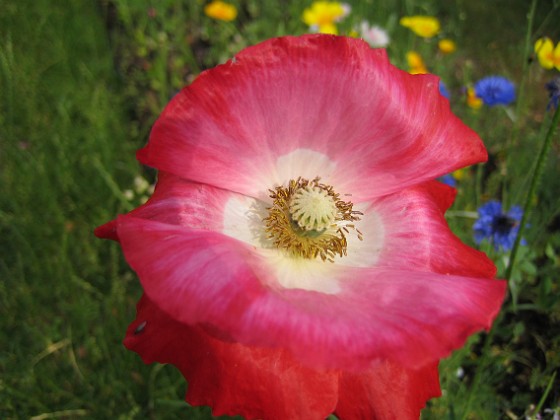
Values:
[(308, 219)]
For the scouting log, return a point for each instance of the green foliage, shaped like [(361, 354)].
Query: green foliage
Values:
[(82, 83)]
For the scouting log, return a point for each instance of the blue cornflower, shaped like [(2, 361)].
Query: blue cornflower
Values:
[(495, 90), (553, 88), (443, 90), (498, 227), (448, 179)]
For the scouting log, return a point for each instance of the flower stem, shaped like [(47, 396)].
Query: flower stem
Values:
[(482, 367), (543, 398), (526, 52), (520, 102), (529, 199), (535, 180)]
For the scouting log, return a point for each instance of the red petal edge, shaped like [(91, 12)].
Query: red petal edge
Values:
[(270, 384)]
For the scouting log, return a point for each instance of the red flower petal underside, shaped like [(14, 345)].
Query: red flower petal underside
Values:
[(231, 378), (271, 384), (386, 391)]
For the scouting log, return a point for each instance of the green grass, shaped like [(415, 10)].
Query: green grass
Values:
[(81, 83), (65, 300)]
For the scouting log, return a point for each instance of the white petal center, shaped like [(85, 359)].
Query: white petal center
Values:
[(243, 220)]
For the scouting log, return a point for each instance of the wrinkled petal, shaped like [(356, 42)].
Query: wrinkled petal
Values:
[(379, 313), (410, 318), (231, 378), (386, 391), (178, 201), (202, 268), (271, 384), (331, 95), (402, 229), (417, 236), (246, 322)]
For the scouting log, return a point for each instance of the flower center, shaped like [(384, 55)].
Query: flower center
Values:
[(503, 224), (312, 208), (308, 219)]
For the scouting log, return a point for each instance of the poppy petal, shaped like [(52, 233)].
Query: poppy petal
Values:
[(387, 391), (417, 236), (267, 383), (334, 96), (177, 201), (377, 313), (231, 378)]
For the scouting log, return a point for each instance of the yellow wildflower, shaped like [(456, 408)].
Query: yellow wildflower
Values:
[(473, 101), (424, 26), (548, 56), (447, 46), (415, 63), (461, 174), (328, 28), (322, 16), (221, 11)]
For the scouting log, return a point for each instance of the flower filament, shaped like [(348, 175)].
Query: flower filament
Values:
[(308, 219)]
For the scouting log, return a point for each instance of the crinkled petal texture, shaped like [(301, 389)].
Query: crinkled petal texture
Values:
[(332, 95), (369, 327), (410, 299), (261, 383)]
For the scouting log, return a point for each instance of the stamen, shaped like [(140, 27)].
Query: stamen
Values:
[(308, 219)]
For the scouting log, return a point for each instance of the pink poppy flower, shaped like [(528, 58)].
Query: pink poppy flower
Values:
[(294, 255)]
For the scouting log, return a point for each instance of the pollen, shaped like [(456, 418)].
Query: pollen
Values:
[(308, 219)]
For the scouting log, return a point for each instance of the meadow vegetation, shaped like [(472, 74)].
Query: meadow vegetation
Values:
[(81, 84)]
